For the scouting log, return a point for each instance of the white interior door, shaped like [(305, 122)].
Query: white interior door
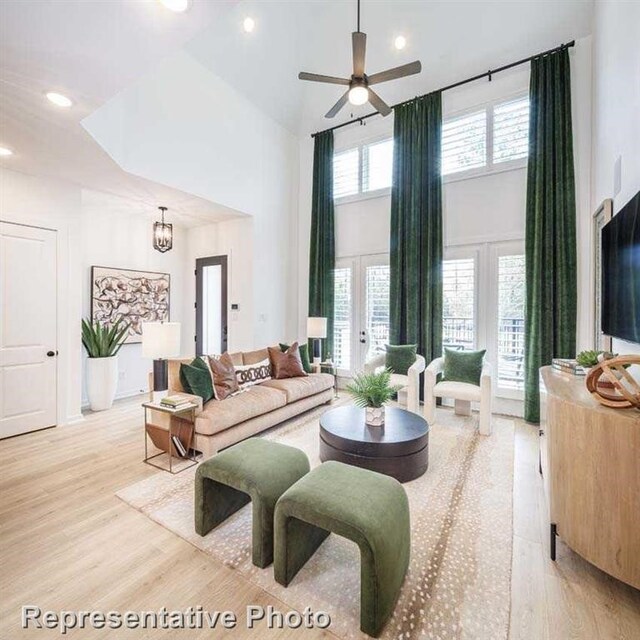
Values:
[(361, 320), (28, 296)]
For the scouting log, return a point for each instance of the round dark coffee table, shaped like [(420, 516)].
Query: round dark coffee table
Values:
[(399, 449)]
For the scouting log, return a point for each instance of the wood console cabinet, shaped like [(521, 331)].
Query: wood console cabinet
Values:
[(593, 457)]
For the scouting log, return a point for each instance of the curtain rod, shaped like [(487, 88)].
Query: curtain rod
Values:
[(486, 74)]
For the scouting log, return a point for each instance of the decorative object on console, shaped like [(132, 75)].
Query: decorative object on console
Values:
[(370, 391), (135, 296), (250, 374), (287, 364), (102, 344), (223, 372), (162, 234), (160, 340), (317, 331), (304, 355), (621, 390), (569, 365)]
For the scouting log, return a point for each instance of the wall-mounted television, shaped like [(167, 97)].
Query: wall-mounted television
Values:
[(621, 273)]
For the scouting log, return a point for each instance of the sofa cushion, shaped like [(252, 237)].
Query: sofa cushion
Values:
[(253, 357), (218, 415), (298, 388)]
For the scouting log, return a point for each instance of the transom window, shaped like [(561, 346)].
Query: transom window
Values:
[(493, 137)]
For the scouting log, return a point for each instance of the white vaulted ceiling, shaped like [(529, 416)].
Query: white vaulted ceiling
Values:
[(94, 51)]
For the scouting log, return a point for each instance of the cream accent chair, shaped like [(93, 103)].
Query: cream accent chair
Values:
[(410, 383), (462, 393)]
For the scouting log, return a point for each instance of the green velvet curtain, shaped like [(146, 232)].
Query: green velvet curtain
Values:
[(416, 226), (550, 245), (322, 254)]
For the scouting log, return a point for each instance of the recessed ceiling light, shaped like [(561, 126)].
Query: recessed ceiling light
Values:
[(5, 152), (400, 42), (58, 99), (249, 24), (179, 6)]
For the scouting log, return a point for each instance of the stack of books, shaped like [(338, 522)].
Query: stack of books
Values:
[(176, 402), (568, 366)]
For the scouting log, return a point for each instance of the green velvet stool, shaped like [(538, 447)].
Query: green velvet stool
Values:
[(368, 508), (255, 470)]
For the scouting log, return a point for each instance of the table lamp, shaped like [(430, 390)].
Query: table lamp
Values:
[(316, 330), (160, 340)]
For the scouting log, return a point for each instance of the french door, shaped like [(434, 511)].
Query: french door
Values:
[(361, 320)]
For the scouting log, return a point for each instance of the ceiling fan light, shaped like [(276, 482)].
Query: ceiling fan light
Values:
[(358, 95)]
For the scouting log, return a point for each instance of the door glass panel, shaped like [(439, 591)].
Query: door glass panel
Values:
[(511, 296), (342, 320), (377, 308), (458, 285), (211, 311)]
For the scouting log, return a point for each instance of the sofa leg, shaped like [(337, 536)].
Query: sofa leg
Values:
[(462, 407)]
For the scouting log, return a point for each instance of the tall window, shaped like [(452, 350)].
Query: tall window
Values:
[(342, 318), (459, 293), (511, 297)]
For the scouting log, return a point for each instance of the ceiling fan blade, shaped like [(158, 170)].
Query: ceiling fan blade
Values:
[(338, 105), (397, 72), (378, 103), (359, 43), (315, 77)]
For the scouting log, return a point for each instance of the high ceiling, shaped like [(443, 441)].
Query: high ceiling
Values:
[(91, 50)]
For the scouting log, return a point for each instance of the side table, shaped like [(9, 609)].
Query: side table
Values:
[(330, 368), (181, 424)]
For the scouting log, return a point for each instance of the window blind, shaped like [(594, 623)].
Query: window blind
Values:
[(511, 130), (459, 293), (464, 142)]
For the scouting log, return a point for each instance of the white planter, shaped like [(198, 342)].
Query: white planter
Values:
[(102, 381), (374, 416)]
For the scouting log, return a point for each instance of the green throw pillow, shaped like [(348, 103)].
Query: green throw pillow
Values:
[(400, 357), (463, 366), (196, 379), (304, 355)]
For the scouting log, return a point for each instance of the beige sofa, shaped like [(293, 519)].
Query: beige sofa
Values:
[(220, 424)]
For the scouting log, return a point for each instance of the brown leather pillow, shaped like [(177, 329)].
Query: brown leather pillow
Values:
[(287, 364), (223, 374)]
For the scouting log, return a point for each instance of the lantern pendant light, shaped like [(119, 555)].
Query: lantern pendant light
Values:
[(162, 234)]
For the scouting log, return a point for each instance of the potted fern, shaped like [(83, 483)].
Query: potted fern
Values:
[(102, 344), (371, 391)]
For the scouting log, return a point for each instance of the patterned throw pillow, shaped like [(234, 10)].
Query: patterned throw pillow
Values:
[(250, 374)]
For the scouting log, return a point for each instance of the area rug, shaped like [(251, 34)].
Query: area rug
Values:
[(459, 579)]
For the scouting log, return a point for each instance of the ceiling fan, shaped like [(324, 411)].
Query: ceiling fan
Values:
[(359, 84)]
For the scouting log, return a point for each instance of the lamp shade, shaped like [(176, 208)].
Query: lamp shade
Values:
[(316, 327), (160, 339)]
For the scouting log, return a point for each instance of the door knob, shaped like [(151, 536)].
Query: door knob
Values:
[(51, 353)]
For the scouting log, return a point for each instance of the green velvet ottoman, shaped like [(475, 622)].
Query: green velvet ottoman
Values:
[(255, 470), (366, 507)]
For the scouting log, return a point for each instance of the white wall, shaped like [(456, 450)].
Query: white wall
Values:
[(616, 108), (93, 229), (185, 127)]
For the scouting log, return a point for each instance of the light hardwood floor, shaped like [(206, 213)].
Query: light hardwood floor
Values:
[(66, 542)]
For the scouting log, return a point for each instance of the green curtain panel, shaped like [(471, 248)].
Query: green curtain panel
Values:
[(322, 254), (416, 226), (550, 245)]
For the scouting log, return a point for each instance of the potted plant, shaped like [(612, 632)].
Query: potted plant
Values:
[(370, 391), (102, 344)]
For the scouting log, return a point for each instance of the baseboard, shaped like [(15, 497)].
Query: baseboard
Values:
[(76, 419)]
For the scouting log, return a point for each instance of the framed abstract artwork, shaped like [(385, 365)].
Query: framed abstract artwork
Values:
[(136, 296), (603, 214)]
